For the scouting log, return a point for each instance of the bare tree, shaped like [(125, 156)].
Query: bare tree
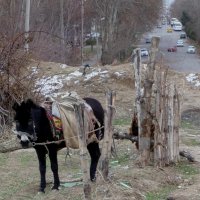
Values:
[(188, 13), (123, 22)]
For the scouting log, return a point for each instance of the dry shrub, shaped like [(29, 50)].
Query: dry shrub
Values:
[(16, 82)]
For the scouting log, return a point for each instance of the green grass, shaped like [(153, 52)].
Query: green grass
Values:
[(190, 142), (25, 159), (121, 159), (185, 124), (122, 121), (187, 170), (3, 159), (161, 194)]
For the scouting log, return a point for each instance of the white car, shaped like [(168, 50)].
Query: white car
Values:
[(144, 52), (191, 49), (179, 43)]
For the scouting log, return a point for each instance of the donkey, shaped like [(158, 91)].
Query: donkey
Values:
[(33, 126)]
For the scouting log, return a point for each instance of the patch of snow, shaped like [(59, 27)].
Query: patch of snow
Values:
[(76, 82), (47, 85), (63, 66), (119, 73), (34, 70), (104, 72), (95, 73), (76, 74), (91, 75), (50, 85), (194, 79), (73, 75)]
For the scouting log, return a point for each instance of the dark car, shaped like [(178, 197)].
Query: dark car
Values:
[(183, 36), (172, 49), (148, 40)]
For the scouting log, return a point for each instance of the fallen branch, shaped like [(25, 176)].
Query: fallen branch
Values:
[(72, 180), (122, 136), (187, 155)]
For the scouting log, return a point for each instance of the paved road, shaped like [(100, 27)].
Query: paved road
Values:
[(180, 60)]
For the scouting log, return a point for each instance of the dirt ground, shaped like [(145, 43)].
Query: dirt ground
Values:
[(19, 174)]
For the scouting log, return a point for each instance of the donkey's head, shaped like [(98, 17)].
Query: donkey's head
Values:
[(24, 122)]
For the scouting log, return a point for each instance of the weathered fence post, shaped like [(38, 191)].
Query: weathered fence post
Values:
[(158, 111), (108, 133), (173, 124), (82, 129), (160, 115), (177, 119)]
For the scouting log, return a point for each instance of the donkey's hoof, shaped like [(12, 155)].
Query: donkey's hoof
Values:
[(55, 188), (41, 191), (93, 179)]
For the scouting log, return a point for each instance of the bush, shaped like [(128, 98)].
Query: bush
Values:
[(90, 42)]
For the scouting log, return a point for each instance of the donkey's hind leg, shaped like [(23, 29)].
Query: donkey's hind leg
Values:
[(54, 165), (95, 154)]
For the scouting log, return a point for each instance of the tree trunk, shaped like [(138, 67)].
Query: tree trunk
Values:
[(27, 21), (108, 36), (144, 102)]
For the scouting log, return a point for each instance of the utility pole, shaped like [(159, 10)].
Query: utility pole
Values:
[(27, 21), (97, 39), (82, 22), (62, 30)]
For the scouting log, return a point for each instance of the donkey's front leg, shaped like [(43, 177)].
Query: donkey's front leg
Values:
[(54, 165), (42, 167)]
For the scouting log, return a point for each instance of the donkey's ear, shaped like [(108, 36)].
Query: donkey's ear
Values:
[(15, 106), (30, 103)]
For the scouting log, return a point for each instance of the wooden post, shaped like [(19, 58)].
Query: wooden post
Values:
[(177, 119), (159, 137), (82, 129), (108, 133), (158, 111)]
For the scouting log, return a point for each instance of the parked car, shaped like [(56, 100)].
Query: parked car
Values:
[(179, 43), (173, 20), (169, 30), (172, 49), (177, 26), (144, 52), (183, 36), (191, 49), (159, 26), (148, 40)]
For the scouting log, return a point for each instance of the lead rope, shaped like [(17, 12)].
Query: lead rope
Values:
[(58, 141)]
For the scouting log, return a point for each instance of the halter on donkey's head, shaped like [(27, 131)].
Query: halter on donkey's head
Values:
[(25, 128)]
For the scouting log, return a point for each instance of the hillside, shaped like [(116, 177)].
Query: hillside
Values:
[(57, 79), (127, 180)]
